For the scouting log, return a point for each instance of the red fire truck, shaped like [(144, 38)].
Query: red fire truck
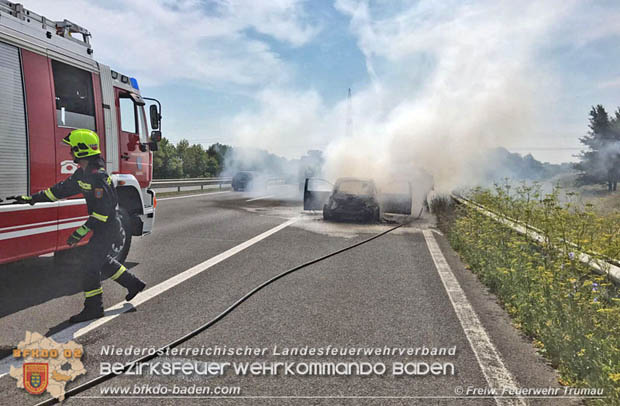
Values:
[(49, 85)]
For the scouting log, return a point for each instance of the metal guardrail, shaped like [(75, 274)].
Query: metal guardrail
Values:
[(179, 183), (599, 266), (202, 182)]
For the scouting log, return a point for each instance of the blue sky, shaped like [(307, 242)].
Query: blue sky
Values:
[(329, 64), (431, 78)]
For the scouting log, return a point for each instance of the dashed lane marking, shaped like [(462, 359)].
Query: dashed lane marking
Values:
[(259, 198)]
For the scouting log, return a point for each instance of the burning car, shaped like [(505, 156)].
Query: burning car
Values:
[(355, 199)]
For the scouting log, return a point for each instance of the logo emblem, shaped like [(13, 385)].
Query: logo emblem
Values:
[(35, 377), (68, 166), (44, 365), (98, 193)]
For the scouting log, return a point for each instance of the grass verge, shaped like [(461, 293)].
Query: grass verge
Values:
[(571, 314)]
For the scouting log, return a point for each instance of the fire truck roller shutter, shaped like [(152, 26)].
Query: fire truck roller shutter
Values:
[(13, 136)]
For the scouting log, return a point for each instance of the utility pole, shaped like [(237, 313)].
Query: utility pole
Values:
[(349, 129)]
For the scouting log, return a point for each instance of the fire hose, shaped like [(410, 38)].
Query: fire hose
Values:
[(106, 377)]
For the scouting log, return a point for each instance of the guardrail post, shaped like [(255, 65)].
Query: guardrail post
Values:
[(179, 188)]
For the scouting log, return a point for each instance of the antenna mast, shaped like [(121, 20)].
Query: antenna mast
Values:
[(349, 128)]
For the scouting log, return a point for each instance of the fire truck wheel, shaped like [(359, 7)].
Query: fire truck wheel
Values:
[(120, 248)]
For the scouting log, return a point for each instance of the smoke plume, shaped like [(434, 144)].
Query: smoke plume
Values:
[(470, 84), (449, 81)]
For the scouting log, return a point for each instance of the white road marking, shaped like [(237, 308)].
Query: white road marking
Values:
[(490, 361), (76, 330), (259, 198), (194, 195)]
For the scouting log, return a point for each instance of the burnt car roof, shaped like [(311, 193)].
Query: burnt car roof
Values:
[(367, 188), (340, 181)]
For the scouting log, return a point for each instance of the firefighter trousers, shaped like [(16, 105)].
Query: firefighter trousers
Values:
[(99, 265)]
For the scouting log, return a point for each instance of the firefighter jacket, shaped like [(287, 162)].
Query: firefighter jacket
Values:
[(96, 187)]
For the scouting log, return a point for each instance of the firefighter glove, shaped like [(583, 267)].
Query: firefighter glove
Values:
[(22, 199), (77, 235)]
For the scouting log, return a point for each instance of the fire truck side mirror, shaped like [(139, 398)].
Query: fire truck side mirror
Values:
[(155, 117), (155, 136)]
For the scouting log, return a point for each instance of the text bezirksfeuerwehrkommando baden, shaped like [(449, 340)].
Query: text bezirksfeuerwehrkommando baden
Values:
[(275, 350), (300, 368)]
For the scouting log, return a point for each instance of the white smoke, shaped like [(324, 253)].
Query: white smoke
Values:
[(450, 80), (480, 92)]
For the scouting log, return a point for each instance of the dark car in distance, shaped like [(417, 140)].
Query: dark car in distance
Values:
[(245, 180)]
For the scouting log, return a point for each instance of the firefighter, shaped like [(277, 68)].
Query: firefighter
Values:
[(96, 186)]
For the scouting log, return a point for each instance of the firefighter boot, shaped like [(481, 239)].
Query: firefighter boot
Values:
[(93, 309), (131, 283)]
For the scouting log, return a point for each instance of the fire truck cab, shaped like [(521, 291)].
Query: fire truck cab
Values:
[(49, 85)]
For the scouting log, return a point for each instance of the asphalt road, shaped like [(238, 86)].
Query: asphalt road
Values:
[(204, 255)]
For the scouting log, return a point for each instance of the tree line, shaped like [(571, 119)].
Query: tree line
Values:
[(600, 161), (183, 160)]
